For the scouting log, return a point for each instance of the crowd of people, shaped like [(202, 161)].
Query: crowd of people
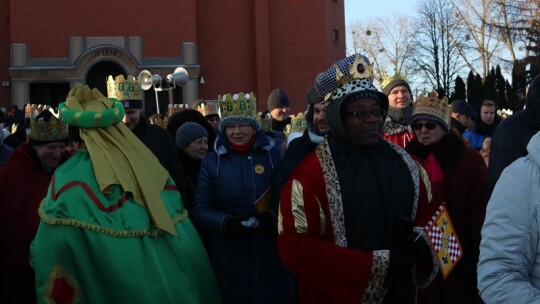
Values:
[(377, 198)]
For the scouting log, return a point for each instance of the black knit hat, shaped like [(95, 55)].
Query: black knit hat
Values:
[(277, 98)]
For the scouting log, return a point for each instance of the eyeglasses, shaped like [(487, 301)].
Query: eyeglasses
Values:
[(429, 125), (239, 126), (365, 114)]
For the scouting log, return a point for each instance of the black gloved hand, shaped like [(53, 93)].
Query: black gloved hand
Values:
[(233, 225), (267, 221)]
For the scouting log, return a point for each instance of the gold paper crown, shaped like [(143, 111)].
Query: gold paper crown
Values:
[(33, 110), (124, 89), (51, 130), (208, 108), (298, 123), (159, 120), (430, 104), (265, 121), (397, 76), (244, 105), (177, 107)]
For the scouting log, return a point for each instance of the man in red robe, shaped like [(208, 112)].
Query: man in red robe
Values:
[(24, 180), (347, 212)]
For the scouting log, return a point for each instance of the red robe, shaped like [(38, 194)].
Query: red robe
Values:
[(312, 241), (23, 185)]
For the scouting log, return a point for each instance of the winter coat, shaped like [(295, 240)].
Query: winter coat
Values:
[(247, 266), (24, 184), (467, 193), (298, 149), (509, 265), (510, 138), (159, 141)]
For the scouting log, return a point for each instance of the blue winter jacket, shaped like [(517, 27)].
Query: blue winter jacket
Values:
[(248, 267)]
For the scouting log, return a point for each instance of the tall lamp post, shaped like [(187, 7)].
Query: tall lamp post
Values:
[(180, 77)]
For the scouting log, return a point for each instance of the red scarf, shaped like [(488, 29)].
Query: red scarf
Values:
[(243, 149)]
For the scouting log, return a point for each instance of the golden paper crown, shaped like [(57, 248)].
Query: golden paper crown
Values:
[(397, 76), (298, 123), (431, 105), (244, 105), (265, 121), (208, 108), (47, 127), (33, 110), (124, 89), (177, 107), (159, 120)]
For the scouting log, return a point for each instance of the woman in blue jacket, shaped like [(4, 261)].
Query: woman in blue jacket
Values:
[(232, 191)]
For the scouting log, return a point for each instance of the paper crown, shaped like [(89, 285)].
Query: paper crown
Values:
[(175, 108), (244, 105), (33, 110), (298, 123), (159, 120), (47, 127), (265, 121), (208, 108), (124, 89), (431, 105), (397, 77)]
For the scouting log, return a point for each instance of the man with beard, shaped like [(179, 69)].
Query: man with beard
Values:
[(299, 148), (396, 126)]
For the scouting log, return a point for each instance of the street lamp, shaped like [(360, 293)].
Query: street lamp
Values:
[(180, 77)]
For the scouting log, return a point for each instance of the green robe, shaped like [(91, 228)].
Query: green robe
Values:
[(102, 248)]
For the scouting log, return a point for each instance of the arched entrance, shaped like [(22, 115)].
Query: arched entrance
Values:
[(98, 73)]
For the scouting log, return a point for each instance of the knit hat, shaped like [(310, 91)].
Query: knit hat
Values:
[(430, 107), (189, 132), (391, 82), (277, 99), (462, 107)]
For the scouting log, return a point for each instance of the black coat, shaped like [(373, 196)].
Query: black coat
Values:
[(160, 142), (298, 149)]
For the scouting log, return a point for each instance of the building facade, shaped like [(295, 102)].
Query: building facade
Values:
[(47, 47)]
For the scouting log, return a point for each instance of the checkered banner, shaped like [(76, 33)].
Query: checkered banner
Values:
[(443, 239)]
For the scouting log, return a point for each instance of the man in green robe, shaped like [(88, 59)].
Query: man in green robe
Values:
[(113, 228)]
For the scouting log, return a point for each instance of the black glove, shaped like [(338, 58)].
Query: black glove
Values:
[(267, 221), (233, 225)]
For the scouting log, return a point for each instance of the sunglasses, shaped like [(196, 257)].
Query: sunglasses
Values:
[(429, 125)]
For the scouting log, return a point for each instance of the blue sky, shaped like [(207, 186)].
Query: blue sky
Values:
[(359, 9)]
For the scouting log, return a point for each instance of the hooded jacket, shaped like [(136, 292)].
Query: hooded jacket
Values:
[(509, 265)]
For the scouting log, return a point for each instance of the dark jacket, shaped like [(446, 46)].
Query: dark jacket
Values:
[(159, 141), (510, 138), (247, 266), (467, 193), (24, 184), (297, 151)]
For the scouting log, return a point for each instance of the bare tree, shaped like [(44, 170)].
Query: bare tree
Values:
[(481, 41), (436, 55), (387, 42)]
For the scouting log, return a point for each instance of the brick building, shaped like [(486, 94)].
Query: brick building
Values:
[(47, 47)]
